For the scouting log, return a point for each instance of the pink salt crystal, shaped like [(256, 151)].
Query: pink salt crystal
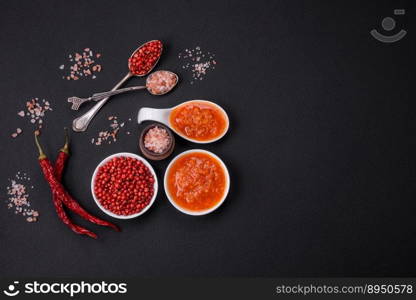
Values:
[(161, 82), (109, 136), (18, 197), (21, 113), (157, 140), (82, 65), (198, 62)]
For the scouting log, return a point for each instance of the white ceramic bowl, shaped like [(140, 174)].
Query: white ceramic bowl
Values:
[(203, 212), (135, 156)]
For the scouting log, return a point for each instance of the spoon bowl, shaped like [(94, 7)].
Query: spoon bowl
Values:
[(138, 49), (168, 87)]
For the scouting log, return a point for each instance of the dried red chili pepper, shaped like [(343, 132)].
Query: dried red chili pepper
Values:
[(59, 168), (62, 194)]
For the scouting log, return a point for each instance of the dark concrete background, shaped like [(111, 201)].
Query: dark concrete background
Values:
[(321, 148)]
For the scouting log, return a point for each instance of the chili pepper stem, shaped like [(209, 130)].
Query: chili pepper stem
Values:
[(65, 148), (41, 153)]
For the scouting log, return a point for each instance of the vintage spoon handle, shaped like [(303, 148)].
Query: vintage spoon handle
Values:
[(98, 96), (81, 123)]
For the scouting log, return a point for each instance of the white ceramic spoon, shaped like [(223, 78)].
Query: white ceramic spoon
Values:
[(162, 115)]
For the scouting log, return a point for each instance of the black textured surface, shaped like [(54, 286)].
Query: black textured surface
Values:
[(321, 148)]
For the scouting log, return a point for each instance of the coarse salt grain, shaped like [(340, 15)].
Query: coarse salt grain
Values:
[(157, 140), (35, 112), (82, 65), (109, 136), (18, 131), (198, 62), (161, 82), (18, 197)]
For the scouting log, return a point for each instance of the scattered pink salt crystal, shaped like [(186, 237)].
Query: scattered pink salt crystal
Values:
[(18, 197), (82, 65), (197, 62), (109, 136), (15, 134), (35, 111)]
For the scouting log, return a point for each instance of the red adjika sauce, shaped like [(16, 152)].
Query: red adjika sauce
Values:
[(198, 120), (196, 181)]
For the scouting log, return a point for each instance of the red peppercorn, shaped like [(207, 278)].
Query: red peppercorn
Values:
[(124, 193), (144, 59)]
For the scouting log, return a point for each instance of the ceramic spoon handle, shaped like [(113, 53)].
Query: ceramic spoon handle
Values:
[(154, 114), (81, 123)]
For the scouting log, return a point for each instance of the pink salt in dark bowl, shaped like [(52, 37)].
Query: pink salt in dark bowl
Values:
[(156, 141)]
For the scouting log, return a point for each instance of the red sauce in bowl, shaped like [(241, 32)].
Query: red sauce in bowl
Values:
[(197, 120), (196, 181)]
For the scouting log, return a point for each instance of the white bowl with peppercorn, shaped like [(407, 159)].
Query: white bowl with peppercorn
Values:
[(124, 185)]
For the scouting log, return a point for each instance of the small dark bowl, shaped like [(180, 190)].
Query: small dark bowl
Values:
[(150, 154)]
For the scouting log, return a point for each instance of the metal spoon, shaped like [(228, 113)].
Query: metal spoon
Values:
[(81, 123), (77, 102)]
